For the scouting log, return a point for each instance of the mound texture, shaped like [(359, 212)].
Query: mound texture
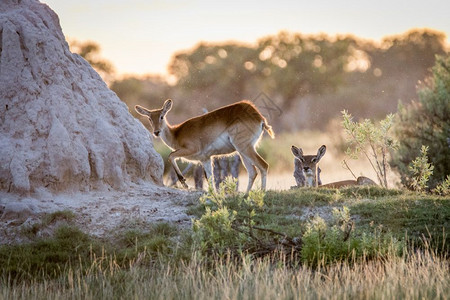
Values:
[(61, 128)]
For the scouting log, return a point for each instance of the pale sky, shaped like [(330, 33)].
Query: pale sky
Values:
[(140, 36)]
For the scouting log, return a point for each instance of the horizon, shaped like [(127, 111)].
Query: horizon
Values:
[(149, 34)]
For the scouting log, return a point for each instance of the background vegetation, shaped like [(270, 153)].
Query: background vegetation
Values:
[(426, 122), (304, 82), (311, 78)]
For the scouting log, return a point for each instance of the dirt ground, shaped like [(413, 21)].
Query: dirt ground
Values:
[(99, 213)]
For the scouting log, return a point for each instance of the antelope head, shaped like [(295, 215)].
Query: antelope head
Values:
[(156, 117), (307, 166)]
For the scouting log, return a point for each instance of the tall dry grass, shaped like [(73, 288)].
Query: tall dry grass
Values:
[(421, 275)]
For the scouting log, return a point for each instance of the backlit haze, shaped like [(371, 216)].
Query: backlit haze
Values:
[(140, 36)]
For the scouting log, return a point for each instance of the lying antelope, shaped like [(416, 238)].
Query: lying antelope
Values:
[(307, 171), (234, 128), (361, 180)]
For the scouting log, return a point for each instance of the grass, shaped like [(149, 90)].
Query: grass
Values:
[(163, 261), (65, 216), (416, 276), (420, 217)]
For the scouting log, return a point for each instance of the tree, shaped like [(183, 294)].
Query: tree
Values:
[(147, 91), (295, 65), (222, 70), (426, 122), (373, 141), (90, 51)]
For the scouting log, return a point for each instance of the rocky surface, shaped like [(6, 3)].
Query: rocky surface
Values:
[(61, 128)]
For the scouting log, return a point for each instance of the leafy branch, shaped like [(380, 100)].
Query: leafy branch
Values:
[(373, 142)]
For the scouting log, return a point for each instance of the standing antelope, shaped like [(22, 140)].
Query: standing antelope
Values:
[(233, 128), (307, 171)]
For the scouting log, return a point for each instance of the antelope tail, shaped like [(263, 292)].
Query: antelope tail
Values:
[(269, 130)]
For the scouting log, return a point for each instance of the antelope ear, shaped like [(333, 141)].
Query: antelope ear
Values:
[(142, 110), (298, 152), (167, 106), (320, 154)]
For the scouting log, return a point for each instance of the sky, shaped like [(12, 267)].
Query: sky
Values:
[(141, 36)]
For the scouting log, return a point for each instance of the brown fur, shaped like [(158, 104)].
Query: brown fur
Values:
[(361, 180)]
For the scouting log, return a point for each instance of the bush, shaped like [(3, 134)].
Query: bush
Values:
[(420, 171), (328, 243), (443, 188), (234, 223), (374, 142), (426, 122), (228, 219)]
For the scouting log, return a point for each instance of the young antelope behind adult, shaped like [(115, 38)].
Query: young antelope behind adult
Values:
[(233, 128)]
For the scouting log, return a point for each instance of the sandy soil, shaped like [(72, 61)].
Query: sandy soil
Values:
[(99, 213)]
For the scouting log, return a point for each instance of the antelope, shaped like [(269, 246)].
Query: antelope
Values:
[(307, 171), (361, 180), (233, 128)]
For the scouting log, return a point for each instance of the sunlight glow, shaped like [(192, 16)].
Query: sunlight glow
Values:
[(141, 36)]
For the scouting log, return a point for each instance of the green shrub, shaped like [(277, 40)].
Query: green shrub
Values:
[(420, 171), (426, 122), (219, 228), (374, 142), (443, 188)]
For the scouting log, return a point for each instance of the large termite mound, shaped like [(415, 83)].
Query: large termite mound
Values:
[(61, 127)]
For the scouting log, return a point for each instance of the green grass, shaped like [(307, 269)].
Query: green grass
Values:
[(50, 257), (46, 257), (64, 216), (422, 218)]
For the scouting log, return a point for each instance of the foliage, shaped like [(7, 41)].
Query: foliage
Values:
[(420, 171), (426, 122), (234, 223), (46, 256), (443, 188), (148, 91), (321, 59), (90, 51), (221, 227), (422, 218), (374, 142), (326, 243), (311, 73)]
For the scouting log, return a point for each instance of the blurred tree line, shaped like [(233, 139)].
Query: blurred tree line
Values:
[(311, 78)]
